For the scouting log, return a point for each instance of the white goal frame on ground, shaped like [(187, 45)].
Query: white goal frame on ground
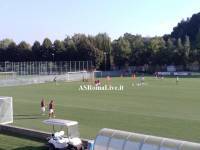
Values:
[(6, 110)]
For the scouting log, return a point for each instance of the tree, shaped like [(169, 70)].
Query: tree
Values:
[(179, 44), (36, 50), (5, 42), (46, 50), (70, 49), (3, 49), (178, 56), (195, 56), (187, 46), (11, 53), (168, 52), (155, 48), (24, 51), (137, 48), (197, 40), (170, 44), (121, 52), (103, 43), (59, 49), (87, 51), (2, 54), (189, 27), (156, 44)]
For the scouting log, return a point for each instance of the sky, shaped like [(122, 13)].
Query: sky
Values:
[(31, 20)]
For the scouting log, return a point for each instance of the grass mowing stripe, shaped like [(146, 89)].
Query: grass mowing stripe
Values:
[(160, 108)]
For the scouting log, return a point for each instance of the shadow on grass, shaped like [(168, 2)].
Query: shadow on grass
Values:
[(23, 137), (29, 148), (27, 115), (34, 116), (24, 118)]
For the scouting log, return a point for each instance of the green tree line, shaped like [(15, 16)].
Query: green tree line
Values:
[(181, 47)]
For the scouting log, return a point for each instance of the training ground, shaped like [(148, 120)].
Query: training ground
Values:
[(160, 107)]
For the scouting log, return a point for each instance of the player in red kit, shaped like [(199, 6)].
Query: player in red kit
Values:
[(51, 109), (42, 105)]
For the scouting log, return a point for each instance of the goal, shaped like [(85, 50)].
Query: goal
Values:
[(7, 75), (6, 110), (78, 76)]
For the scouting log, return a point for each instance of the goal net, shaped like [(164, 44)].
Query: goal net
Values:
[(81, 75), (7, 75), (6, 110)]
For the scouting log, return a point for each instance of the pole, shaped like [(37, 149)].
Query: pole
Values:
[(5, 69), (105, 60), (75, 65), (53, 56), (87, 65), (79, 66), (70, 66)]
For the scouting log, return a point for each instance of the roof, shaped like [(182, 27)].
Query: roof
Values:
[(60, 122), (3, 97), (126, 140)]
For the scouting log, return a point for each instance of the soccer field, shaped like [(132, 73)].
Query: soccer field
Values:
[(160, 107)]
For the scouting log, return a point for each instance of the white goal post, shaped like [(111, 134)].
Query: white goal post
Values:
[(6, 110)]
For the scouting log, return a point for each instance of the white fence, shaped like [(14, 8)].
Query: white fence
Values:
[(45, 67), (36, 79), (23, 73)]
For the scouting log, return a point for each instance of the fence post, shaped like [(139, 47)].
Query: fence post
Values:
[(91, 65), (75, 66), (79, 66), (83, 65), (70, 66), (87, 65)]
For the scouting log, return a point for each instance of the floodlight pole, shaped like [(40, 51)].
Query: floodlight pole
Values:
[(53, 56), (105, 59), (5, 68)]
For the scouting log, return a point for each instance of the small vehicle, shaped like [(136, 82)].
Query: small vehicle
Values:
[(68, 140)]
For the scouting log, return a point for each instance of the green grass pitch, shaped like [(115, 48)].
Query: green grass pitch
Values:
[(159, 108)]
